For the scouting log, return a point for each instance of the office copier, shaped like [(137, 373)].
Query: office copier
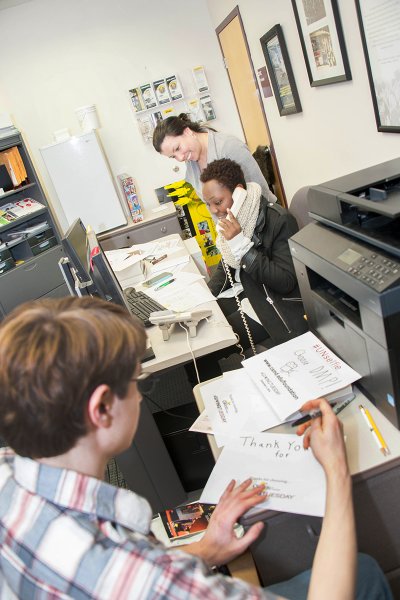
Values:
[(348, 267)]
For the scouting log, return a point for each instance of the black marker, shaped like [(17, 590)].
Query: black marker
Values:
[(317, 413)]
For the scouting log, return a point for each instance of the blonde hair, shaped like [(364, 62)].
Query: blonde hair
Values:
[(53, 355)]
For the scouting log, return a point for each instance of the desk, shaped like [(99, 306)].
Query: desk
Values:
[(213, 335), (146, 465), (287, 544)]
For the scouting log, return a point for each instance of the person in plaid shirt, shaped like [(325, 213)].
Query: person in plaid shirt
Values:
[(69, 401)]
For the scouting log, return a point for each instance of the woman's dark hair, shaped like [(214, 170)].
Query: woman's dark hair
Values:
[(226, 171), (175, 126)]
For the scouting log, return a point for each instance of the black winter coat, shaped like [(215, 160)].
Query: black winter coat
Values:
[(270, 263)]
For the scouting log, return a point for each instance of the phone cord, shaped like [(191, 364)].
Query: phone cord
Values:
[(241, 311)]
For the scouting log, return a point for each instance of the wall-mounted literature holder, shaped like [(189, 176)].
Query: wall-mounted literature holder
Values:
[(163, 98)]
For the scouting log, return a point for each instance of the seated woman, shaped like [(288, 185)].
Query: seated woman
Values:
[(256, 263)]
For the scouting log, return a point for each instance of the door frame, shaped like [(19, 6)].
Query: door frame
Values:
[(236, 13)]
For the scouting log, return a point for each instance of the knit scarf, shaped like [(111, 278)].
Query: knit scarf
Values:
[(247, 217)]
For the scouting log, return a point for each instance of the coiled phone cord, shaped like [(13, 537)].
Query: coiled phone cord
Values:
[(241, 311)]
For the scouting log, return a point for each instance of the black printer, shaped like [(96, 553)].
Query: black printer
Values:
[(348, 267)]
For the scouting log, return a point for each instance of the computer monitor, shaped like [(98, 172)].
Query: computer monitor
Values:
[(101, 273), (90, 263), (76, 247)]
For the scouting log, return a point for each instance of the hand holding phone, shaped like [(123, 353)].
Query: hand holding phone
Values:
[(238, 196)]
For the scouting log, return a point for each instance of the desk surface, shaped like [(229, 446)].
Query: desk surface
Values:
[(211, 336), (362, 452)]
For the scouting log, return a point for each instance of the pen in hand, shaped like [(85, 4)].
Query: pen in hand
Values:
[(317, 413)]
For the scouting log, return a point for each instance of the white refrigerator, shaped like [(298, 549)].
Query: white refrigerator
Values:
[(83, 182)]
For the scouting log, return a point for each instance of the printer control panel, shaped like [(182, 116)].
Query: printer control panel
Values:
[(376, 270)]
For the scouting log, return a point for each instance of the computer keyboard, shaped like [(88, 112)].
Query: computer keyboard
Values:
[(141, 305)]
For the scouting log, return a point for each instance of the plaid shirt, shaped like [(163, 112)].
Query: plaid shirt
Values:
[(66, 535)]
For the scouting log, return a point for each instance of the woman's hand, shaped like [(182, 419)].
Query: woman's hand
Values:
[(219, 543), (229, 226)]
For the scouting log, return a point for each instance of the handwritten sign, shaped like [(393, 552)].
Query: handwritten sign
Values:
[(294, 479), (298, 370)]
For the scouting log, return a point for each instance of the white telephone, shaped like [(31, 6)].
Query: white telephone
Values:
[(166, 318), (238, 196)]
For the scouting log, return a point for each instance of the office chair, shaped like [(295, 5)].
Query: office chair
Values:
[(299, 207)]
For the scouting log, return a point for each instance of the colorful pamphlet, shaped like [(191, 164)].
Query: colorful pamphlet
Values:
[(161, 90), (200, 79), (208, 108), (148, 95), (186, 520), (129, 190), (174, 87), (137, 100)]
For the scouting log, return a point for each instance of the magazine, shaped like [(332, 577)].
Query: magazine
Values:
[(186, 520)]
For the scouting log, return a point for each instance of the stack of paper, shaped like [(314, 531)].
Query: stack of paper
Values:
[(272, 386), (12, 211), (268, 391)]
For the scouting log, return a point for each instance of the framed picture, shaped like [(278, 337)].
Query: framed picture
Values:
[(322, 41), (378, 26), (280, 71)]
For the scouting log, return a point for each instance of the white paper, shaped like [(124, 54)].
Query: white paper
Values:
[(295, 481), (299, 370), (202, 424), (181, 299), (169, 263), (123, 258), (234, 404)]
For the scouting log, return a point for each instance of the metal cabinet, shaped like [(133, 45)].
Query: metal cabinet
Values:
[(29, 240), (140, 233)]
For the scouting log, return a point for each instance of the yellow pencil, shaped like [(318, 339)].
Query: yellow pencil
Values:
[(376, 434)]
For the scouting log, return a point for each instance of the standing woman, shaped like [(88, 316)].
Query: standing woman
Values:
[(198, 145)]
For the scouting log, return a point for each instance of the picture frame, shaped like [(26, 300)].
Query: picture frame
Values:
[(280, 71), (382, 59), (322, 41)]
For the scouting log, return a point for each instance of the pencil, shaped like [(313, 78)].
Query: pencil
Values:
[(376, 434)]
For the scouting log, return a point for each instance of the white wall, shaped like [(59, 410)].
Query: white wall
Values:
[(58, 55), (336, 132)]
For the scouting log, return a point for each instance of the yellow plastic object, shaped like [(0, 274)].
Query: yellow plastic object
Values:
[(200, 219)]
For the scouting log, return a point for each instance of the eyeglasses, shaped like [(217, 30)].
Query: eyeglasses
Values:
[(146, 382), (141, 377)]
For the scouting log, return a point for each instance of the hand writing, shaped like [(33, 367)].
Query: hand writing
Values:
[(325, 436), (220, 544)]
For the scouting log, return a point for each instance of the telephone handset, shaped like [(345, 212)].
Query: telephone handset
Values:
[(238, 196)]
